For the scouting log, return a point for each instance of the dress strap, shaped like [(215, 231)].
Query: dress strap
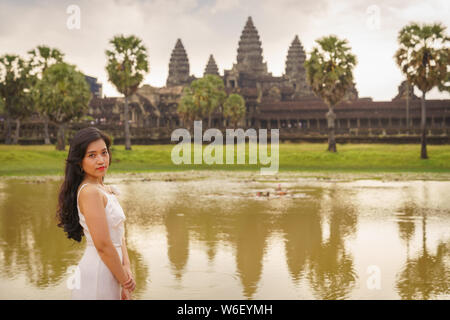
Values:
[(78, 194), (106, 193)]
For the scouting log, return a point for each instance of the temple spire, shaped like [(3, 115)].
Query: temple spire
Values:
[(295, 70), (211, 67), (178, 66), (295, 59), (249, 53)]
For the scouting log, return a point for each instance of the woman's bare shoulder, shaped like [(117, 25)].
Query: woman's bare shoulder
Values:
[(87, 188), (91, 192)]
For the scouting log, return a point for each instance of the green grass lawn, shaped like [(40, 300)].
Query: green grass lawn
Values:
[(45, 160)]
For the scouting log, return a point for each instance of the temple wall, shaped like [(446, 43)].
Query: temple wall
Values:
[(351, 125)]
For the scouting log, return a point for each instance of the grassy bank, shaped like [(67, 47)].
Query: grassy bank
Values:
[(45, 160)]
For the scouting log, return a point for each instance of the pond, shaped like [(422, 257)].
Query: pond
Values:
[(223, 237)]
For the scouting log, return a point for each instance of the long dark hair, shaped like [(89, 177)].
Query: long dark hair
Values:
[(67, 212)]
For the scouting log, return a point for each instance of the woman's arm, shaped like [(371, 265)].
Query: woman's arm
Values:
[(126, 259), (126, 294), (92, 206)]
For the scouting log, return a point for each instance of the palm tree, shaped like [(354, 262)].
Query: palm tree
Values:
[(234, 108), (330, 74), (423, 57), (127, 65), (215, 94), (41, 58)]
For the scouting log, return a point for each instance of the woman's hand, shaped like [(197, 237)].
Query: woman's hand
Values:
[(125, 295), (130, 284)]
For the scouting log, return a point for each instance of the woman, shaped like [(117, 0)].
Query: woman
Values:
[(88, 207)]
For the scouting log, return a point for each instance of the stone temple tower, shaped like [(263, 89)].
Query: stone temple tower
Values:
[(211, 67), (249, 53), (295, 70), (178, 66)]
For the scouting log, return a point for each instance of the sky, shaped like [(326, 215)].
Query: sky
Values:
[(214, 27)]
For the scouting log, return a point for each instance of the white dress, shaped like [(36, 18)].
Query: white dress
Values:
[(96, 281)]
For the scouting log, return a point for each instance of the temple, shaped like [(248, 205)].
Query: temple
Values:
[(285, 102)]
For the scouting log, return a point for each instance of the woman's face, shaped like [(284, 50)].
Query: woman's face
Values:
[(96, 160)]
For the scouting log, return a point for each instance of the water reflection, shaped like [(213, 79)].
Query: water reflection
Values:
[(426, 275), (177, 242), (29, 242), (139, 269), (317, 227), (332, 274), (301, 227), (250, 241), (406, 224)]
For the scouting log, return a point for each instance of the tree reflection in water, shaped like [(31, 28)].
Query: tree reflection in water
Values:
[(426, 276), (30, 242), (331, 273)]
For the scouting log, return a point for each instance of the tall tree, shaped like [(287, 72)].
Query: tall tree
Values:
[(202, 98), (423, 56), (211, 90), (40, 58), (234, 108), (15, 81), (187, 109), (126, 67), (65, 95), (23, 109), (330, 74)]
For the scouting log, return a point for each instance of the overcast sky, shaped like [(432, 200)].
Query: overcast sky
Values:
[(214, 27)]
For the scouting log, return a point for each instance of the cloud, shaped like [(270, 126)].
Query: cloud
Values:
[(224, 5)]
